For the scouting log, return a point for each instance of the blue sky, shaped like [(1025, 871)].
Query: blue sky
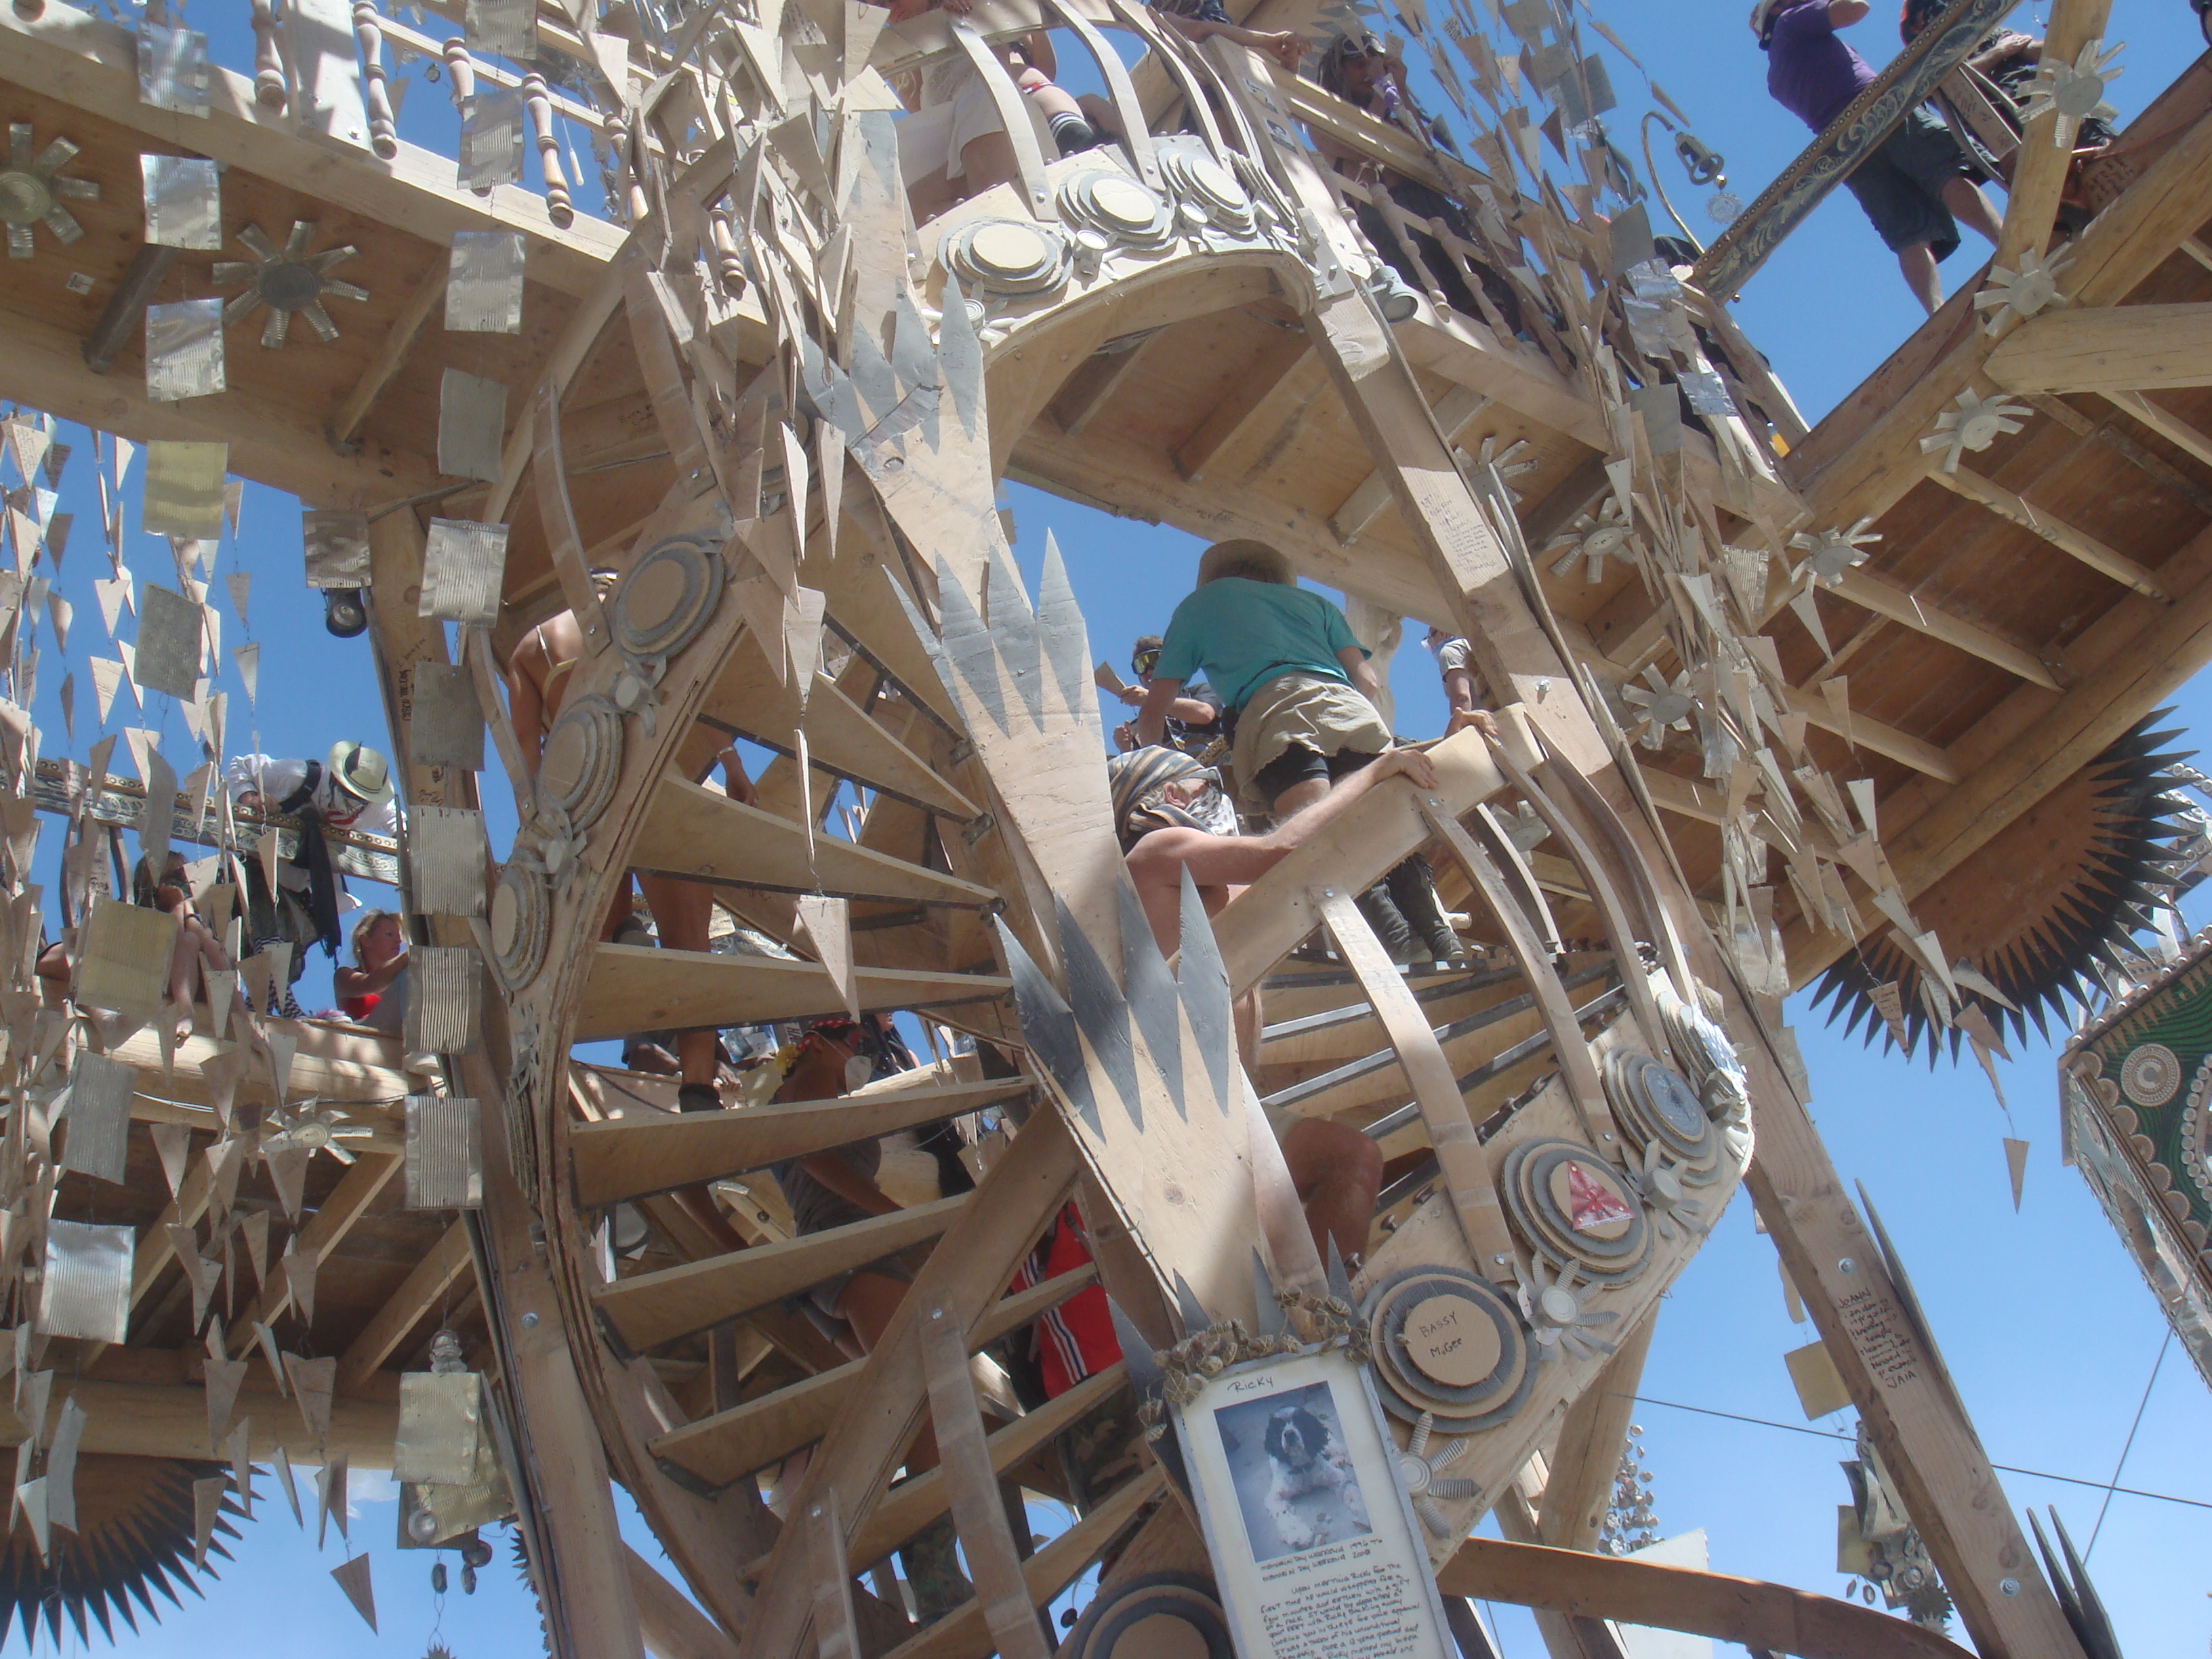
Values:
[(2042, 1317)]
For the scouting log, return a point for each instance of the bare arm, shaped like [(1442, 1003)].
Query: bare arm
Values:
[(525, 705), (1842, 14), (368, 982), (1286, 48), (1152, 717), (1361, 673), (831, 1169)]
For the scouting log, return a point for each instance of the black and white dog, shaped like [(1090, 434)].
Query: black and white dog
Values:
[(1307, 1462)]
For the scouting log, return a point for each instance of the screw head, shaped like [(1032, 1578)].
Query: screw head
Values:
[(530, 1321), (1847, 1266), (2008, 1586)]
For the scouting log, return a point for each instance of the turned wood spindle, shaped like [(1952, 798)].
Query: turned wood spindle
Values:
[(269, 88), (383, 131), (728, 257), (461, 72), (539, 105), (630, 144)]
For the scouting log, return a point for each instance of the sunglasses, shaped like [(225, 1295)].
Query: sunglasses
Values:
[(1144, 660)]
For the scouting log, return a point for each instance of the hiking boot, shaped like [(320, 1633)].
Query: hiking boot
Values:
[(1383, 915), (1413, 889)]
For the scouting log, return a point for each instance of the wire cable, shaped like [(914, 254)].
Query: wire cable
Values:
[(2141, 1406)]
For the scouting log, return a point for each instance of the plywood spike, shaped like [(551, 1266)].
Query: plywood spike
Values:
[(353, 1577)]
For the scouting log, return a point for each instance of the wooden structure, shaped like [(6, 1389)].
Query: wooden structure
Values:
[(783, 434)]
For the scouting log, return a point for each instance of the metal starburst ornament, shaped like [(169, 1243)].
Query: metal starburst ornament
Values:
[(1660, 1183), (1829, 553), (2075, 91), (1594, 540), (287, 280), (1972, 423), (2024, 293), (1423, 1472), (1555, 1313), (32, 191), (1662, 708)]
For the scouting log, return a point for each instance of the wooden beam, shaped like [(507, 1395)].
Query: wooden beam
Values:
[(2107, 348), (642, 987), (147, 1419), (1280, 380), (2182, 435), (1883, 739), (1885, 598), (72, 55), (1455, 411), (1759, 1616), (1091, 386), (125, 310), (2075, 543), (2040, 164), (393, 352), (424, 1289), (672, 1627), (320, 1235)]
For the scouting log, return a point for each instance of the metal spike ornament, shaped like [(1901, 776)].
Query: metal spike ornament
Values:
[(289, 280), (1666, 707), (1423, 1472), (1629, 1522), (2074, 92), (1594, 540), (32, 190), (1830, 553)]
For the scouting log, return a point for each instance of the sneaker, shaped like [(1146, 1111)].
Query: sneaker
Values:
[(1413, 889), (1389, 925)]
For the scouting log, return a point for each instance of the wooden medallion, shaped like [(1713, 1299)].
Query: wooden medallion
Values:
[(519, 921), (582, 762), (1448, 1343)]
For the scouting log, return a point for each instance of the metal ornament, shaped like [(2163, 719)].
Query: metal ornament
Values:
[(444, 1160), (1608, 534), (173, 69), (1007, 256), (506, 28), (336, 545), (1973, 422), (491, 139), (445, 850), (1423, 1472), (2026, 292), (484, 284), (124, 956), (472, 425), (441, 1440), (183, 350), (98, 1117), (85, 1291), (288, 279), (2074, 92), (519, 921), (1576, 1211), (657, 609), (446, 724), (184, 488), (444, 998), (1448, 1347), (576, 777), (32, 190), (463, 565), (184, 201), (170, 637), (1830, 553)]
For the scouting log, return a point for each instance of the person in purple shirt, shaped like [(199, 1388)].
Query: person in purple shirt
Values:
[(1916, 185)]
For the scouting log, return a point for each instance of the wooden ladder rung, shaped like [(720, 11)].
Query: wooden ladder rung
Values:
[(642, 987)]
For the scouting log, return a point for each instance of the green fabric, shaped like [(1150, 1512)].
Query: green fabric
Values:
[(1244, 633)]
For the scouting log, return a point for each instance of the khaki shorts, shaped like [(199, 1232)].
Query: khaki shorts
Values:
[(1327, 716)]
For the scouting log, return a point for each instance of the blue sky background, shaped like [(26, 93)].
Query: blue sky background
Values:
[(2043, 1318)]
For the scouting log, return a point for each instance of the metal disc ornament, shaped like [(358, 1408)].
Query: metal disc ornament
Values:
[(520, 920), (1155, 1616), (1448, 1343), (582, 762), (1007, 256), (1652, 1101), (665, 598), (2151, 1075), (1576, 1210), (1202, 182), (1116, 205)]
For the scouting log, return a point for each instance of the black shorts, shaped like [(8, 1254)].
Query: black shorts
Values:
[(1296, 764), (1900, 185)]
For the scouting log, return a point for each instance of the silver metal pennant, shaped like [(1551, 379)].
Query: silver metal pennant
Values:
[(173, 69), (484, 283), (98, 1117), (1153, 995), (183, 202), (445, 859), (472, 425), (445, 725), (168, 642), (336, 546), (1100, 1010), (444, 1159), (1204, 982), (1049, 1026), (183, 350), (508, 28), (445, 998), (491, 138), (85, 1291), (463, 564), (441, 1428), (184, 488)]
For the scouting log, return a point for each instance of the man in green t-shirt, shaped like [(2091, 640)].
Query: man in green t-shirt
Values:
[(1297, 685)]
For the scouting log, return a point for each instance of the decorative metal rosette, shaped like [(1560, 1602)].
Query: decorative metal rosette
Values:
[(521, 921), (1450, 1344), (1653, 1104), (1207, 192), (2196, 1131), (1007, 256), (2151, 1075), (1705, 1053), (582, 763), (1116, 208), (1576, 1210), (657, 609), (1153, 1613)]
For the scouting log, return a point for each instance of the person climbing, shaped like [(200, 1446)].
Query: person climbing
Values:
[(1285, 662), (1193, 718), (374, 991), (197, 952), (1462, 686), (682, 911), (1916, 187)]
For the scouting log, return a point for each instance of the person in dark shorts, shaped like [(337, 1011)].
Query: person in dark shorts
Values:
[(1916, 186)]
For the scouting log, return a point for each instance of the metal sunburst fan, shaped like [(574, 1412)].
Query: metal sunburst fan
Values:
[(2059, 894), (287, 280), (32, 191)]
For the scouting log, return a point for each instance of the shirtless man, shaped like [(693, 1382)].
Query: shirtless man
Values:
[(1336, 1168), (537, 682)]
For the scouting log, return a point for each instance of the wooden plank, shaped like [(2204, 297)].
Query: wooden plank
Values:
[(698, 832), (1865, 732), (964, 1467), (2107, 348), (2076, 544), (651, 1152), (1091, 387), (1455, 411), (643, 987), (1885, 598), (1578, 1487), (321, 1234), (1466, 1167), (2040, 164), (392, 353), (648, 1310), (2168, 425), (142, 1419), (1280, 378), (1772, 1617), (671, 1626), (423, 1289), (836, 1632), (731, 1444)]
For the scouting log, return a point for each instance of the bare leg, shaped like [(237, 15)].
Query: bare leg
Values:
[(930, 195), (987, 161), (1338, 1172), (683, 910), (1971, 209), (1918, 265), (1100, 114), (1299, 795)]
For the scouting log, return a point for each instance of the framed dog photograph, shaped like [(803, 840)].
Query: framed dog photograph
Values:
[(1315, 1548)]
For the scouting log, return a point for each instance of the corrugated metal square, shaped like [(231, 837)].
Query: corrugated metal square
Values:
[(173, 69), (169, 632), (508, 28), (446, 723), (446, 857), (336, 542), (464, 563), (183, 350), (184, 201), (86, 1290), (484, 284), (472, 425), (184, 488), (124, 955), (445, 1153), (444, 990), (441, 1440), (98, 1117), (491, 138)]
